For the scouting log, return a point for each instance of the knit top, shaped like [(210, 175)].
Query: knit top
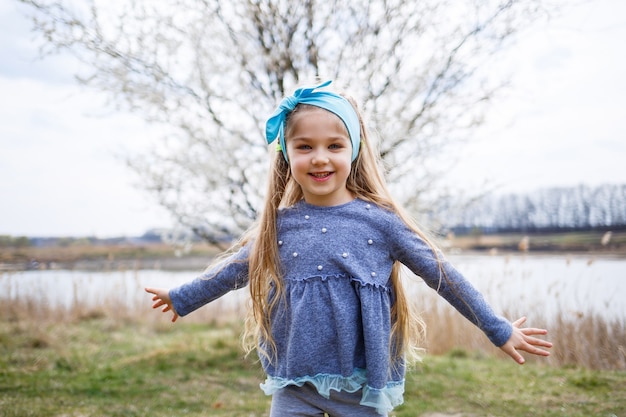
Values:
[(333, 327)]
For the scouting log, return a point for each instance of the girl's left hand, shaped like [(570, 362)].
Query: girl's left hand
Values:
[(521, 339)]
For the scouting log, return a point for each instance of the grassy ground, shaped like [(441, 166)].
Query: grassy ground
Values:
[(119, 367)]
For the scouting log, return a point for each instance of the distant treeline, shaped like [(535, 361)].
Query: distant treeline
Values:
[(545, 210), (151, 236), (555, 209), (7, 241)]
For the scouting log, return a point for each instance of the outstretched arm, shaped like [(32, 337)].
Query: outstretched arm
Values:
[(521, 339), (162, 298)]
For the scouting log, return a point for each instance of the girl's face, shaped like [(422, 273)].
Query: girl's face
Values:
[(320, 153)]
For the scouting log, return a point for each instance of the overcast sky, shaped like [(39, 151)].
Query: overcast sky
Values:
[(562, 123)]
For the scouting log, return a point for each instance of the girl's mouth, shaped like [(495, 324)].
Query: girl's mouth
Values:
[(320, 175)]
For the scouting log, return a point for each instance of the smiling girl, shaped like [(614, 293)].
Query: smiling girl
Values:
[(330, 317)]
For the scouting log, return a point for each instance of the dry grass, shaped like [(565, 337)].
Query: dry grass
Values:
[(588, 341), (581, 339)]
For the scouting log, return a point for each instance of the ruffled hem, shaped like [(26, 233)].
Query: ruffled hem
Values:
[(324, 383), (383, 400)]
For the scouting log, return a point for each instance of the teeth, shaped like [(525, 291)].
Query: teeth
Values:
[(320, 175)]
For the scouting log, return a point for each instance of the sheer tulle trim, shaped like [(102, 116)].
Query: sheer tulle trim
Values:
[(383, 400), (324, 383)]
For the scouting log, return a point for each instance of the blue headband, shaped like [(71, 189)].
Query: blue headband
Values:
[(334, 103)]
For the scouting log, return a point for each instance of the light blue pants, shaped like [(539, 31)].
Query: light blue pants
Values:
[(305, 401)]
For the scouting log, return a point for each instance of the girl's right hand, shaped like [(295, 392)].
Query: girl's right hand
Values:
[(162, 298)]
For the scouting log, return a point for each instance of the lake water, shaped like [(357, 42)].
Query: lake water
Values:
[(530, 284)]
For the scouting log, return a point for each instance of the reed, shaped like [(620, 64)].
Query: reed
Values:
[(589, 341), (580, 339)]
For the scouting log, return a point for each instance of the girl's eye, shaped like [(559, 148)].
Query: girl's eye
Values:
[(304, 147), (335, 146)]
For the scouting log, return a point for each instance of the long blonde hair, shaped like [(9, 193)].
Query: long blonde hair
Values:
[(366, 181)]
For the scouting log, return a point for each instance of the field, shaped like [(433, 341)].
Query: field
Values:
[(111, 360), (103, 366)]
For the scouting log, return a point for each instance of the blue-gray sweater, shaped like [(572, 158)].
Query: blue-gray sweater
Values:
[(333, 328)]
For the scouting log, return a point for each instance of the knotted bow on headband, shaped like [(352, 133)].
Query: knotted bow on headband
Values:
[(334, 103)]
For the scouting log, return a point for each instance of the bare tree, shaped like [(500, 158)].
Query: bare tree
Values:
[(210, 71)]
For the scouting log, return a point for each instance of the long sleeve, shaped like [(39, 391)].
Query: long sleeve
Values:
[(228, 275), (465, 298), (418, 256)]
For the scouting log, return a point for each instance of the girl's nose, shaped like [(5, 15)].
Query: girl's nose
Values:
[(319, 158)]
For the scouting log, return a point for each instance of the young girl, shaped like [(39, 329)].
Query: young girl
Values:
[(330, 318)]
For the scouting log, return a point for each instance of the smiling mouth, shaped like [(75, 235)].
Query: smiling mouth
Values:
[(320, 175)]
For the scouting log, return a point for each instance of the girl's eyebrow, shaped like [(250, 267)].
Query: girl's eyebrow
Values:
[(328, 139)]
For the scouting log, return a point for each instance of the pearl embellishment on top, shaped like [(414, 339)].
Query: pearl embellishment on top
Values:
[(324, 230)]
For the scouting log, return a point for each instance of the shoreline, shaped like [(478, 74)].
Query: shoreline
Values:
[(200, 262), (115, 257), (166, 264)]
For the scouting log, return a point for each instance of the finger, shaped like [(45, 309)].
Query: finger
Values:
[(519, 322), (533, 330), (535, 340), (513, 353), (534, 345), (534, 350), (540, 352), (150, 290), (539, 342), (174, 318)]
